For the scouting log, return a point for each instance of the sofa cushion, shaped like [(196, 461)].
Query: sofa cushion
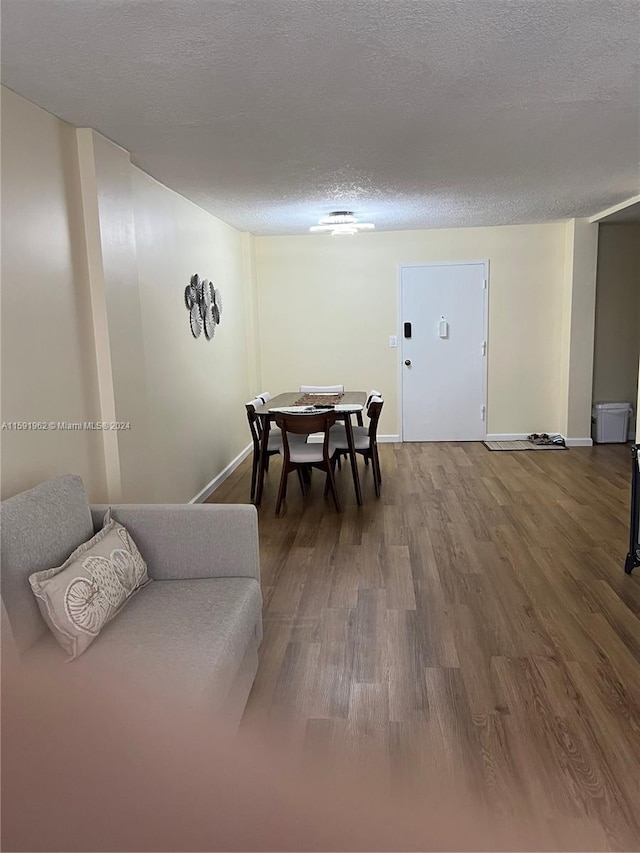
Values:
[(39, 529), (193, 634), (78, 598)]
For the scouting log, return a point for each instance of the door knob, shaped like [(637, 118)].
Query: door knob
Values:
[(408, 362)]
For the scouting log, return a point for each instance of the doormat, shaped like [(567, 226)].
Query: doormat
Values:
[(521, 445)]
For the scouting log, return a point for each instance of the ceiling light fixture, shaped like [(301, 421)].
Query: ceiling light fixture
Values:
[(341, 223)]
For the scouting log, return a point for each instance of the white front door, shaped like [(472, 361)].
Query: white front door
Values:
[(443, 333)]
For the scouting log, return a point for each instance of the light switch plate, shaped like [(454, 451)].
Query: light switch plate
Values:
[(393, 341)]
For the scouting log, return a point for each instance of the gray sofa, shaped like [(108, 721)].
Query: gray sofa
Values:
[(196, 627)]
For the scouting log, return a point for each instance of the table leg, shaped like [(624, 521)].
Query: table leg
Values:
[(352, 455), (262, 467)]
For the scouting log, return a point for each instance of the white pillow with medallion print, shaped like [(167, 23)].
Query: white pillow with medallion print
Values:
[(81, 596)]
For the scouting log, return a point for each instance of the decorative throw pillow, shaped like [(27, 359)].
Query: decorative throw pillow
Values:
[(78, 598)]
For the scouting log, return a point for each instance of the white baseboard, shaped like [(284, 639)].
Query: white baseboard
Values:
[(388, 439), (579, 442), (222, 476), (507, 436)]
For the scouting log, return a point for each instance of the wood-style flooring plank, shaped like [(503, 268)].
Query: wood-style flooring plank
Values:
[(472, 624)]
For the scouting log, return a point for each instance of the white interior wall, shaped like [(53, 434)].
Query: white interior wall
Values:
[(297, 310), (196, 389), (617, 327), (48, 353), (328, 307), (96, 256), (576, 339)]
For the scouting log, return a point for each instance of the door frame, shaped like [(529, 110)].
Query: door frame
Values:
[(485, 372)]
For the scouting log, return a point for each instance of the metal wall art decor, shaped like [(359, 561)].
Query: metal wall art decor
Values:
[(204, 304)]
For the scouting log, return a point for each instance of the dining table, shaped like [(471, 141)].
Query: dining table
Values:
[(349, 403)]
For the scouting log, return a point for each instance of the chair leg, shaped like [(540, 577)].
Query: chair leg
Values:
[(301, 480), (332, 465), (375, 464), (282, 492), (266, 464), (376, 482), (332, 485), (254, 475)]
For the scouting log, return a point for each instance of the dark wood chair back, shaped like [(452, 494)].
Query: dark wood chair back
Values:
[(373, 411), (306, 424), (255, 425)]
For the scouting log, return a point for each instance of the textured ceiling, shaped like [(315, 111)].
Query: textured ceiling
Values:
[(413, 113)]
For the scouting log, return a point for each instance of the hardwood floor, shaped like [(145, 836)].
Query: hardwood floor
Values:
[(474, 623)]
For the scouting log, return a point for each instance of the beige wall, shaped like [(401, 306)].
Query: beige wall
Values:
[(48, 363), (328, 306), (105, 175), (96, 256), (577, 324), (617, 328), (196, 389)]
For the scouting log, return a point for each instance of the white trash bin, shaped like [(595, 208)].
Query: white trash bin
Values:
[(611, 422)]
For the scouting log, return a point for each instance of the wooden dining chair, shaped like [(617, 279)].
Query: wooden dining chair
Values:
[(340, 430), (373, 393), (322, 389), (298, 455), (255, 425), (365, 441)]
